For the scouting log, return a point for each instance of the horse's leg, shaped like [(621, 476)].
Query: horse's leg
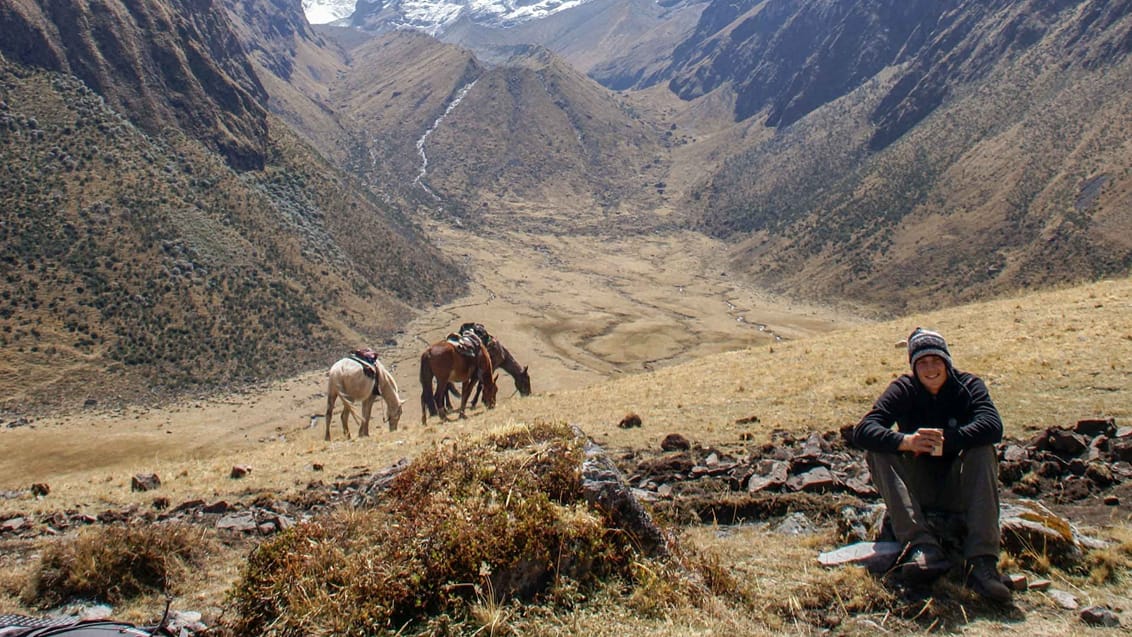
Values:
[(428, 400), (331, 395), (476, 397), (367, 409), (347, 407), (465, 388), (442, 384)]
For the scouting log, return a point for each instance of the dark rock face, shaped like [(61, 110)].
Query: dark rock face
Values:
[(791, 58), (278, 27), (161, 63)]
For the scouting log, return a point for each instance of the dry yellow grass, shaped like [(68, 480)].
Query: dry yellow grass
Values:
[(1049, 358)]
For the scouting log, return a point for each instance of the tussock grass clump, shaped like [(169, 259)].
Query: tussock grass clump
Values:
[(464, 527), (834, 594), (693, 578), (114, 564)]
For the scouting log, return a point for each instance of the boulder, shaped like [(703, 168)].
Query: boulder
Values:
[(145, 482)]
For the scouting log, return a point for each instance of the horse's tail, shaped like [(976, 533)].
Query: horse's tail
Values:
[(428, 400)]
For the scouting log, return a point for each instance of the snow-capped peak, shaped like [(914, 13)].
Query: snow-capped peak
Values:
[(434, 16), (327, 11)]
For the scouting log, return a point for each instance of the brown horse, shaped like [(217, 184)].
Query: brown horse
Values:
[(441, 361), (502, 359)]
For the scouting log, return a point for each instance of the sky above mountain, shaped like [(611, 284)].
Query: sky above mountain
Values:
[(434, 15)]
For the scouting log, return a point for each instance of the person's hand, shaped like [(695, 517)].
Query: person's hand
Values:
[(922, 441)]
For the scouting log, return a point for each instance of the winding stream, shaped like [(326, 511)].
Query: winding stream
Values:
[(419, 181)]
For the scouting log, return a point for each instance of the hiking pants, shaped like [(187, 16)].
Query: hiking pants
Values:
[(966, 484)]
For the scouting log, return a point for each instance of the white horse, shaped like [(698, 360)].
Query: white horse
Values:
[(348, 379)]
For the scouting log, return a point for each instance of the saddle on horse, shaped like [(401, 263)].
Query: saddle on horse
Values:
[(368, 360), (479, 330), (467, 343)]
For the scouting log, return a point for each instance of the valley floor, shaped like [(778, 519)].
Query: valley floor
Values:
[(576, 310)]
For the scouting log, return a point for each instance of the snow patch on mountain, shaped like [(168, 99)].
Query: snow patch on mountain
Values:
[(327, 11), (434, 16)]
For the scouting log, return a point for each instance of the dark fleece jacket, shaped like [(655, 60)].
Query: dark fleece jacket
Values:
[(963, 409)]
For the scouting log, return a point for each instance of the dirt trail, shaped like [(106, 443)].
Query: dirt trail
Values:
[(575, 309)]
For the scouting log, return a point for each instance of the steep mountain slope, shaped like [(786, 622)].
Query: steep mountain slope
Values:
[(296, 64), (160, 62), (537, 132), (446, 131), (138, 261), (991, 154)]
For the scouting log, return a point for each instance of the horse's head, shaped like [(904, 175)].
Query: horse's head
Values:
[(523, 382), (394, 413), (490, 390)]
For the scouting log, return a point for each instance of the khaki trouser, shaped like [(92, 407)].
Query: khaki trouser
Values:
[(967, 484)]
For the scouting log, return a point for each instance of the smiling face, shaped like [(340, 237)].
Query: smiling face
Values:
[(931, 371)]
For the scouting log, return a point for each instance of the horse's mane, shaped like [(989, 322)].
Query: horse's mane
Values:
[(386, 377)]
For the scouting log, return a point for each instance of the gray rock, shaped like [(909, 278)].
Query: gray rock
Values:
[(1063, 599), (877, 557), (605, 488), (1100, 616)]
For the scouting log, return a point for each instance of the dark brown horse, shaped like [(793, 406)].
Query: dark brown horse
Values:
[(502, 359), (441, 361)]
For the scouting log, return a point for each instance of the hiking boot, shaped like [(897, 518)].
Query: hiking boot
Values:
[(983, 578), (922, 564)]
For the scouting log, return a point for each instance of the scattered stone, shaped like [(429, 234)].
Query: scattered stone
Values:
[(185, 622), (239, 471), (795, 524), (1100, 616), (1015, 453), (160, 503), (1016, 582), (1040, 585), (1100, 474), (604, 487), (1029, 523), (220, 506), (12, 525), (1093, 427), (818, 479), (145, 482), (98, 612), (1063, 599), (1112, 500), (675, 442), (774, 477), (1121, 448), (316, 466), (243, 522), (630, 420), (877, 557), (1066, 441), (40, 489)]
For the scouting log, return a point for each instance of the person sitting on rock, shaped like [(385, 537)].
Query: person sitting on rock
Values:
[(941, 456)]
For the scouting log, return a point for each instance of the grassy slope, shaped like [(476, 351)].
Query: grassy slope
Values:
[(1050, 358)]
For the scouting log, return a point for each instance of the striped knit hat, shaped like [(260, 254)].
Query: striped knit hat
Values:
[(924, 343)]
